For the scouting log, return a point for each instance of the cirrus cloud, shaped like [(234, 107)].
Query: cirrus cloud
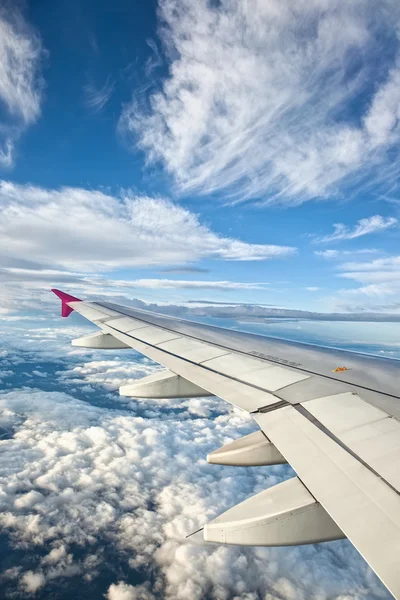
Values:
[(363, 227), (336, 254), (20, 80), (274, 100), (194, 285)]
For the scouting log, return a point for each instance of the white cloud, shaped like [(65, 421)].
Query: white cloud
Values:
[(79, 475), (313, 289), (389, 264), (75, 228), (258, 95), (33, 581), (182, 284), (123, 591), (96, 98), (372, 276), (110, 374), (20, 81), (363, 227), (29, 289), (340, 253), (380, 278), (373, 290)]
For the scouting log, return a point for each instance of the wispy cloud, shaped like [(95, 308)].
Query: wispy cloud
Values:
[(258, 99), (379, 278), (70, 235), (337, 254), (155, 60), (21, 84), (388, 265), (205, 285), (373, 290), (363, 227), (75, 228), (96, 98), (185, 269)]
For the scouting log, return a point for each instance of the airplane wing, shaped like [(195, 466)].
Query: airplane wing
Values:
[(333, 415)]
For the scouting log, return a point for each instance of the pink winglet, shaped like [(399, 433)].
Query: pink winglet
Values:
[(65, 298)]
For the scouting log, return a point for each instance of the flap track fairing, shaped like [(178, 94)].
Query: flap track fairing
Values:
[(284, 515), (164, 384), (99, 341), (250, 450)]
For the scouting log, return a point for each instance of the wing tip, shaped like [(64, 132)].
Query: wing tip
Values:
[(65, 298)]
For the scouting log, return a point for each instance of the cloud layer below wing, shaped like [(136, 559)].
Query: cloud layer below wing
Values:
[(94, 474)]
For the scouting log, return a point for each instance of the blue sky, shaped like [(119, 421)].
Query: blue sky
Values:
[(214, 144)]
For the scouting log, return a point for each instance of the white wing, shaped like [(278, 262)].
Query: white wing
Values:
[(338, 429)]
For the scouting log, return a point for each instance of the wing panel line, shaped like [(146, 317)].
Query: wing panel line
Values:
[(200, 365), (276, 406), (270, 360)]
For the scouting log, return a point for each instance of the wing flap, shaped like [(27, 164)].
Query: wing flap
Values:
[(363, 428), (365, 508)]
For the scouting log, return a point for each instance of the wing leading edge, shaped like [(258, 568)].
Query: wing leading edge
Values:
[(337, 427)]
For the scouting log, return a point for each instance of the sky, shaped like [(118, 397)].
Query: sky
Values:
[(170, 151), (229, 161)]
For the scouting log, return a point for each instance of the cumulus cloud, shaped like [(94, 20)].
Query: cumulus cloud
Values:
[(110, 374), (77, 228), (75, 475), (123, 591), (260, 98), (20, 80), (33, 581), (363, 227)]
